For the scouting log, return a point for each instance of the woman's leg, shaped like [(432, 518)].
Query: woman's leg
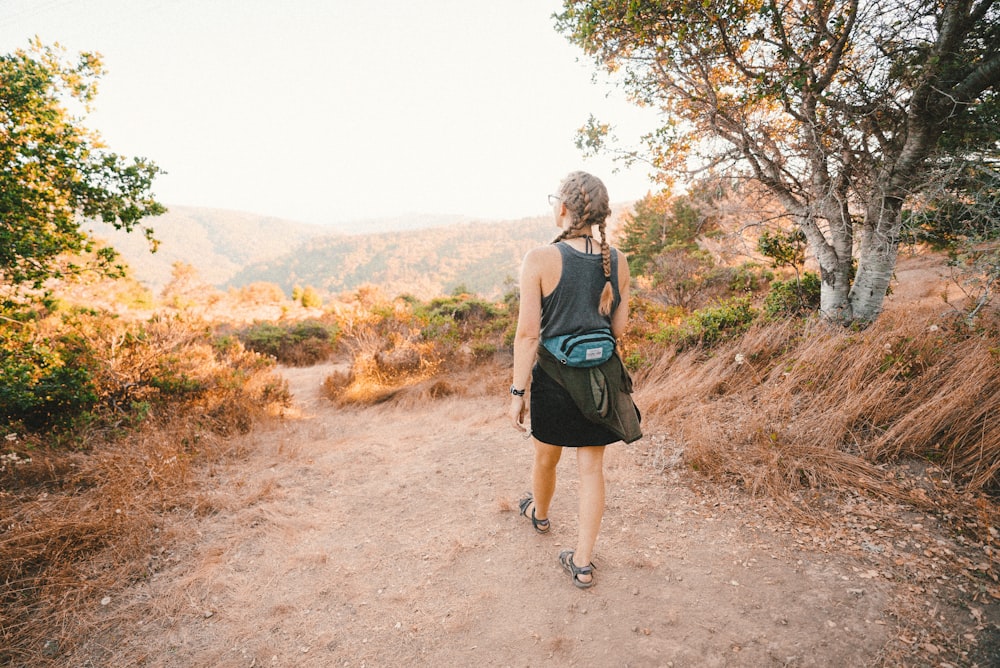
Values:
[(543, 477), (590, 461)]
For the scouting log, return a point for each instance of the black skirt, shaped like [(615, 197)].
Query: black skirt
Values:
[(556, 420)]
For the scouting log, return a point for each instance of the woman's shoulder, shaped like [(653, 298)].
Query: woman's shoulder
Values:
[(542, 254)]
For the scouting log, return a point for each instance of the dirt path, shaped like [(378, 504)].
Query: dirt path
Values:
[(390, 537)]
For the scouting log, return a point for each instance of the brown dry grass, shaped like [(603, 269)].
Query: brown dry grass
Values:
[(75, 525), (790, 407)]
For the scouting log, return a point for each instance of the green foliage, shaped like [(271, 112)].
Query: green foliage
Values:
[(83, 374), (725, 320), (748, 277), (786, 249), (310, 298), (307, 296), (795, 296), (659, 222), (301, 343), (461, 307), (52, 170), (47, 381), (462, 318)]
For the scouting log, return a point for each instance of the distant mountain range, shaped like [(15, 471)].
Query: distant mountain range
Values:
[(424, 256), (480, 257), (216, 242)]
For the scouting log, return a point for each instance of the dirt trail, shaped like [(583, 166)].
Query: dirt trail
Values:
[(387, 537)]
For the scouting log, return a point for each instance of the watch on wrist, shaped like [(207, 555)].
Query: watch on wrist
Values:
[(516, 392)]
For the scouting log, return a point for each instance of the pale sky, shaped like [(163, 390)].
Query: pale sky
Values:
[(326, 111)]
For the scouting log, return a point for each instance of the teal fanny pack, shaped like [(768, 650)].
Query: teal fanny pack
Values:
[(582, 350)]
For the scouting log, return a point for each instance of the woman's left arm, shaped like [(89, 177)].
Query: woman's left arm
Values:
[(619, 319)]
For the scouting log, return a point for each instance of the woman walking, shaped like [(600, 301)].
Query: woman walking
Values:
[(575, 289)]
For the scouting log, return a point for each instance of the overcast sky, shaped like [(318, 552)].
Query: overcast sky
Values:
[(326, 111)]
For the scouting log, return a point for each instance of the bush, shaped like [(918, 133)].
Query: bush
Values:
[(794, 296), (148, 402), (310, 298), (711, 325), (47, 382), (300, 344), (748, 277), (466, 321)]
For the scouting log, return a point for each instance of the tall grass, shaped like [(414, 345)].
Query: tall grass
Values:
[(802, 405)]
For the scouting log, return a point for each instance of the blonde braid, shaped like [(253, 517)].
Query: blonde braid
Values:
[(607, 293)]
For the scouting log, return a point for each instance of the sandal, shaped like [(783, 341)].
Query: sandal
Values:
[(541, 526), (566, 559)]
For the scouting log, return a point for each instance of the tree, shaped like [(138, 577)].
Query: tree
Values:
[(841, 108), (659, 221), (54, 172)]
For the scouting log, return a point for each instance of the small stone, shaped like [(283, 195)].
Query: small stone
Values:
[(50, 648), (105, 600)]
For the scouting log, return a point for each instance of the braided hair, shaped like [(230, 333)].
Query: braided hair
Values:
[(586, 199)]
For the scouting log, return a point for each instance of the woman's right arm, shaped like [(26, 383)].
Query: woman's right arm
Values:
[(529, 324)]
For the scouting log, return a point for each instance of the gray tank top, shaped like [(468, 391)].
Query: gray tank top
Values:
[(572, 307)]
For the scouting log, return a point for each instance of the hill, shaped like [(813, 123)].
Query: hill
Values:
[(424, 263), (483, 257), (422, 255), (216, 242)]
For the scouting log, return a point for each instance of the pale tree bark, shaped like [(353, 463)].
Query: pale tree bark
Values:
[(877, 254)]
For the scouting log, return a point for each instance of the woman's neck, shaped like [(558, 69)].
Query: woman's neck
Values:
[(583, 243)]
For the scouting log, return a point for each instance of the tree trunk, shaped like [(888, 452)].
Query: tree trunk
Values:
[(876, 260), (834, 291)]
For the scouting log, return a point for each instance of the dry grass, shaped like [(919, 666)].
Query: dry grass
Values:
[(791, 407), (76, 525)]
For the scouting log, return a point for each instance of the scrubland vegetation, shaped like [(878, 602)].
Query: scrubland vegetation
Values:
[(117, 403), (113, 419)]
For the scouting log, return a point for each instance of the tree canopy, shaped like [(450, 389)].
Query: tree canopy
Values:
[(54, 172), (843, 109)]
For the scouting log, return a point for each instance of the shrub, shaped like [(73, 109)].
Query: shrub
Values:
[(466, 322), (310, 298), (708, 326), (47, 381), (747, 277), (300, 344), (794, 296), (159, 399)]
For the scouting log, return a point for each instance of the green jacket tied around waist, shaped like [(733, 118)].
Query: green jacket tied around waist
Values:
[(603, 393)]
